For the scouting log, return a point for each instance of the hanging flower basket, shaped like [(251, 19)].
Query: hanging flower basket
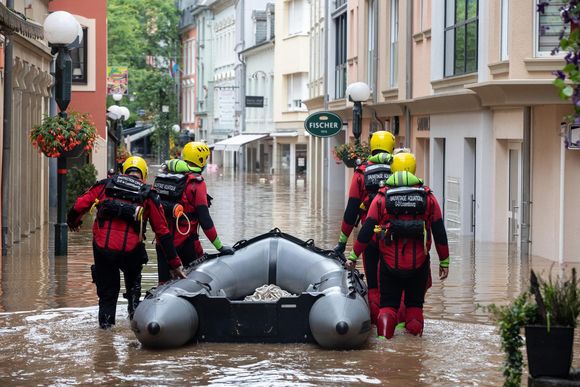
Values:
[(351, 155), (64, 136), (122, 154)]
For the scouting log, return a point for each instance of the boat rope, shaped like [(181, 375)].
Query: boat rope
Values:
[(268, 293)]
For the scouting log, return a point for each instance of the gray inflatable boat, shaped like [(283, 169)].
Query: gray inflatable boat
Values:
[(331, 308)]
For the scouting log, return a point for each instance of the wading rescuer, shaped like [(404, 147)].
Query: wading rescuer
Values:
[(364, 186), (124, 203), (186, 204), (404, 217)]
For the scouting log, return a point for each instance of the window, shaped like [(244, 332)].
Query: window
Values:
[(505, 4), (461, 20), (549, 25), (260, 26), (394, 68), (371, 36), (340, 56), (79, 61), (297, 90), (297, 17)]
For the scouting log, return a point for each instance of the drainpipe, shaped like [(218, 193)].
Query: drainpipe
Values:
[(561, 204), (375, 52), (324, 194), (7, 132), (526, 184), (409, 73)]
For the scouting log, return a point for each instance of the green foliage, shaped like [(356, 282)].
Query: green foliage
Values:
[(349, 153), (568, 78), (561, 301), (79, 180), (138, 29), (510, 319), (58, 134), (554, 302)]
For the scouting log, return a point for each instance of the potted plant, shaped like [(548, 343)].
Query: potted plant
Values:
[(66, 135), (122, 154), (548, 311), (351, 155)]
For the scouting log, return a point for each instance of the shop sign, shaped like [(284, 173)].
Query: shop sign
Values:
[(254, 101), (323, 124)]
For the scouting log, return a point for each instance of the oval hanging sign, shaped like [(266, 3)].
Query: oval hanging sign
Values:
[(323, 124)]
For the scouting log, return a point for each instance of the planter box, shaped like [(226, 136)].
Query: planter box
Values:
[(549, 354)]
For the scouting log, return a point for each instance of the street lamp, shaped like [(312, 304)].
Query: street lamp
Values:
[(117, 97), (61, 29), (117, 114), (357, 92)]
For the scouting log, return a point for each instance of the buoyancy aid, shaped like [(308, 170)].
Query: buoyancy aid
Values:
[(171, 187), (375, 176), (120, 213), (405, 226)]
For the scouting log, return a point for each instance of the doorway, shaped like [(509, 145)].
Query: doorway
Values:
[(469, 179), (514, 194)]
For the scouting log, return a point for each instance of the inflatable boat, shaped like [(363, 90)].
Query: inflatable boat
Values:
[(329, 308)]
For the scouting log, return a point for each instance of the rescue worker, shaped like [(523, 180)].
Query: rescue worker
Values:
[(185, 200), (124, 203), (406, 218), (364, 185)]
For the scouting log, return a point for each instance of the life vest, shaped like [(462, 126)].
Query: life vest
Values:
[(406, 225), (170, 187), (120, 213), (374, 176)]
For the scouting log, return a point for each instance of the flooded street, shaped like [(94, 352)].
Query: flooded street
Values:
[(48, 313)]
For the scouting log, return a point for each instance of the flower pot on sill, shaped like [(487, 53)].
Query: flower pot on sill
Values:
[(549, 353)]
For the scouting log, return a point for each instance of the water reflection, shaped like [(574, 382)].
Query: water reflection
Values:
[(49, 335)]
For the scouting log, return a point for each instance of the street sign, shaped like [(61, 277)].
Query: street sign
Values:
[(141, 112), (323, 124), (254, 101)]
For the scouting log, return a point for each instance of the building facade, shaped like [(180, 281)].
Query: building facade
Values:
[(468, 87), (257, 90), (291, 66), (89, 92)]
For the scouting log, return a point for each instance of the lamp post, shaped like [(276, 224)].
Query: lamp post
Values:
[(61, 30), (357, 92), (118, 114)]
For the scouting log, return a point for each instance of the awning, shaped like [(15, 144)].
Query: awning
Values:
[(234, 143), (284, 134)]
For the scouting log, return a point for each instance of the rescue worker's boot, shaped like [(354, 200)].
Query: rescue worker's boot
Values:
[(414, 322), (374, 297), (133, 294), (402, 312), (386, 322)]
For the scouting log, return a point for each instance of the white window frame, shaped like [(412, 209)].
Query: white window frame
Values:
[(300, 23), (537, 52), (394, 44), (292, 104), (504, 39), (371, 44)]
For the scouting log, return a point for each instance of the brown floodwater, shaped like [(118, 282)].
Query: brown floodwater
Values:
[(48, 313)]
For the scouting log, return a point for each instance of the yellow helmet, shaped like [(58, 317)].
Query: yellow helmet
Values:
[(135, 162), (404, 162), (382, 141), (196, 153)]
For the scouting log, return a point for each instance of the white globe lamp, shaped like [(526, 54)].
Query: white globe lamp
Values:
[(61, 28)]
